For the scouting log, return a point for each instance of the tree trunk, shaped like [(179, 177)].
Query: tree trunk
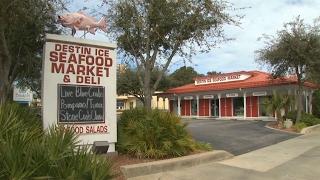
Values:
[(5, 63), (300, 84), (147, 89), (299, 103), (279, 118), (4, 83)]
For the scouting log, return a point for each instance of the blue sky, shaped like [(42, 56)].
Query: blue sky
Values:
[(264, 17)]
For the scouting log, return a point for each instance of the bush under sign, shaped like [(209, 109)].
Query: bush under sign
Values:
[(80, 104)]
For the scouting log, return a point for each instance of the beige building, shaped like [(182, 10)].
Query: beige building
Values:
[(125, 102)]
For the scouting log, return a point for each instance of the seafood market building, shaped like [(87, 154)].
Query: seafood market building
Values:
[(237, 95)]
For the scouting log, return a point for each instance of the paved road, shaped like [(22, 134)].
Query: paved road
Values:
[(236, 137)]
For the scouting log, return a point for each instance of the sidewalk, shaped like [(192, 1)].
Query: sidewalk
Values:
[(294, 159)]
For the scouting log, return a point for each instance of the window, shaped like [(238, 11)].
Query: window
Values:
[(194, 107), (263, 106), (120, 104)]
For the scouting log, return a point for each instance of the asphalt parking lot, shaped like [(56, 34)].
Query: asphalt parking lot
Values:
[(236, 137)]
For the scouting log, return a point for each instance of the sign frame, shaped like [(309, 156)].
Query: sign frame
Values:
[(57, 53)]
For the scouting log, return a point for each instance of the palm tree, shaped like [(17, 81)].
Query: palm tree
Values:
[(276, 104)]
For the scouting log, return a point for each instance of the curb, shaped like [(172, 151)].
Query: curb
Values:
[(266, 126), (141, 169), (310, 129)]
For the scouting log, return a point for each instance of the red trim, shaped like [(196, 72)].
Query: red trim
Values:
[(185, 107), (229, 106), (171, 103), (204, 107), (252, 104), (226, 107), (248, 107), (255, 104), (223, 106)]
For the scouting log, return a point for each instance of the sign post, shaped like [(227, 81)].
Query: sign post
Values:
[(79, 88)]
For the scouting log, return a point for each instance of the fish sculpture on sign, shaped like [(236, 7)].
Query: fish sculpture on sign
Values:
[(81, 21)]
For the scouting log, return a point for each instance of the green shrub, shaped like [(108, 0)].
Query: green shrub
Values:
[(292, 115), (299, 126), (154, 134), (309, 119), (27, 152)]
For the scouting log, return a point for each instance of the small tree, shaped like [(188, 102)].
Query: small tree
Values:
[(152, 33), (278, 103), (128, 83), (182, 76), (293, 51), (23, 25), (212, 73)]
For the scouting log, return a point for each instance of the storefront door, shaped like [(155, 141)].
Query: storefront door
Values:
[(214, 107), (238, 106)]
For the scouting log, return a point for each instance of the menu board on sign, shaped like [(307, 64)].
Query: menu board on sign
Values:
[(80, 104)]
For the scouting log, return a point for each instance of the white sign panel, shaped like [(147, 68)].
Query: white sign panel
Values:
[(261, 93), (232, 95), (188, 98), (208, 96), (22, 94), (79, 87), (221, 78)]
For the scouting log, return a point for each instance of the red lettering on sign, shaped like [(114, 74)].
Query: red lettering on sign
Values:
[(57, 47), (53, 56), (57, 68), (81, 69), (62, 57)]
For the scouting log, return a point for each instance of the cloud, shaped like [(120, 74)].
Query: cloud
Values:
[(264, 17)]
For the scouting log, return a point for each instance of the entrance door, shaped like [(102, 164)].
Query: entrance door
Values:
[(238, 107), (215, 107)]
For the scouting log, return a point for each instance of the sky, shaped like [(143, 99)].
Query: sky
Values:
[(262, 17)]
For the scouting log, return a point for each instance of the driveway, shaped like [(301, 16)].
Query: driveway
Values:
[(295, 159), (236, 137)]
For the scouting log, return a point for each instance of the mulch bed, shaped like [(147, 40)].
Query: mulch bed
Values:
[(275, 126)]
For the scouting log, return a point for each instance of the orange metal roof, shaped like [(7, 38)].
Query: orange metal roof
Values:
[(257, 79)]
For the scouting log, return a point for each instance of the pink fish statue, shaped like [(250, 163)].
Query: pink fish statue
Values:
[(81, 21)]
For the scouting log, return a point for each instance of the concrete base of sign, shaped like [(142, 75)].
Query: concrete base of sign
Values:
[(112, 147)]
